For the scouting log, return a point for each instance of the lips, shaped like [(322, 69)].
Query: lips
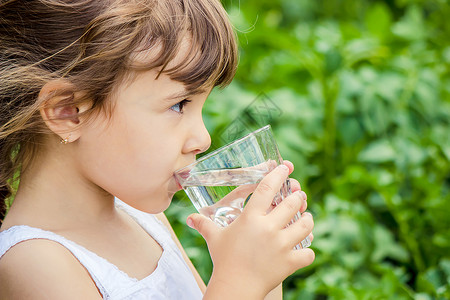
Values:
[(177, 182), (181, 175)]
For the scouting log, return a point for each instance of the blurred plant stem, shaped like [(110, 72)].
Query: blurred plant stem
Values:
[(330, 89), (405, 232)]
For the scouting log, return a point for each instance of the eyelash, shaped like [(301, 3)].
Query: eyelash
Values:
[(181, 105)]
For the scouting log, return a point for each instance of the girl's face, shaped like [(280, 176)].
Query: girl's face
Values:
[(154, 129)]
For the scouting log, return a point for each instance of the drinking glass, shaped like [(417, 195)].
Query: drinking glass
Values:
[(220, 183)]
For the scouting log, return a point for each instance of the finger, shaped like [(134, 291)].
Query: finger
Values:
[(286, 210), (304, 203), (295, 185), (302, 258), (205, 226), (290, 165), (266, 190), (300, 229), (311, 237), (242, 191), (305, 196), (294, 189)]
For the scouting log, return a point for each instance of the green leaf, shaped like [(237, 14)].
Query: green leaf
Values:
[(378, 152), (411, 26), (386, 247), (378, 20), (350, 130)]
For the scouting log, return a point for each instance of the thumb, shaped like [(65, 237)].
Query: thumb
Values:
[(204, 225)]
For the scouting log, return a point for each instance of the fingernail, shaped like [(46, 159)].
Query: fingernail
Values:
[(283, 167), (303, 207), (304, 196), (306, 214), (190, 223)]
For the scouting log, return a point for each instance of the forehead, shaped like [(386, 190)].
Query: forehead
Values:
[(190, 41), (184, 53), (185, 58)]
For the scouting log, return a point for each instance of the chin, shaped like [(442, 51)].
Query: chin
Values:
[(167, 206), (162, 206), (152, 205)]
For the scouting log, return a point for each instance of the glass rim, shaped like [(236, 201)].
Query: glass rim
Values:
[(205, 157)]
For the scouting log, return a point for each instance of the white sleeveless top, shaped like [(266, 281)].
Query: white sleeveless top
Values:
[(172, 278)]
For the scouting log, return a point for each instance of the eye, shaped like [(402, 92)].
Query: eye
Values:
[(179, 106)]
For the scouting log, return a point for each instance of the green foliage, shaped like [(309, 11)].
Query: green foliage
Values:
[(363, 89)]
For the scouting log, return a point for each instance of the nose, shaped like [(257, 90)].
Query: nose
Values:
[(199, 139)]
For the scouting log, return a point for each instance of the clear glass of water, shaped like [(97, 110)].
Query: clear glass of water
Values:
[(220, 183)]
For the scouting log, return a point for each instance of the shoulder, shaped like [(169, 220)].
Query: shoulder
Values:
[(43, 269)]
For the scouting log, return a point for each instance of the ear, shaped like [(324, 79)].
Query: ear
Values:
[(59, 111)]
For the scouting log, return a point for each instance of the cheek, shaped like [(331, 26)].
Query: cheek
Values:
[(129, 162)]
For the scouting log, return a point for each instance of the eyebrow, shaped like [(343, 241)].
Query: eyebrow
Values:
[(182, 94)]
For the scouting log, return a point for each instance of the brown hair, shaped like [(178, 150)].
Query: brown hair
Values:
[(92, 43)]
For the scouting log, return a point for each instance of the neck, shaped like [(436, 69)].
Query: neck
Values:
[(53, 194)]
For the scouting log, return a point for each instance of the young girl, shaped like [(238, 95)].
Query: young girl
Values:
[(103, 99)]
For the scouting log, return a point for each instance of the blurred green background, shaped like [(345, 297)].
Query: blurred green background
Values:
[(358, 95)]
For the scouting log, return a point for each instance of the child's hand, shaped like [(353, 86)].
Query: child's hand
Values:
[(256, 252)]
